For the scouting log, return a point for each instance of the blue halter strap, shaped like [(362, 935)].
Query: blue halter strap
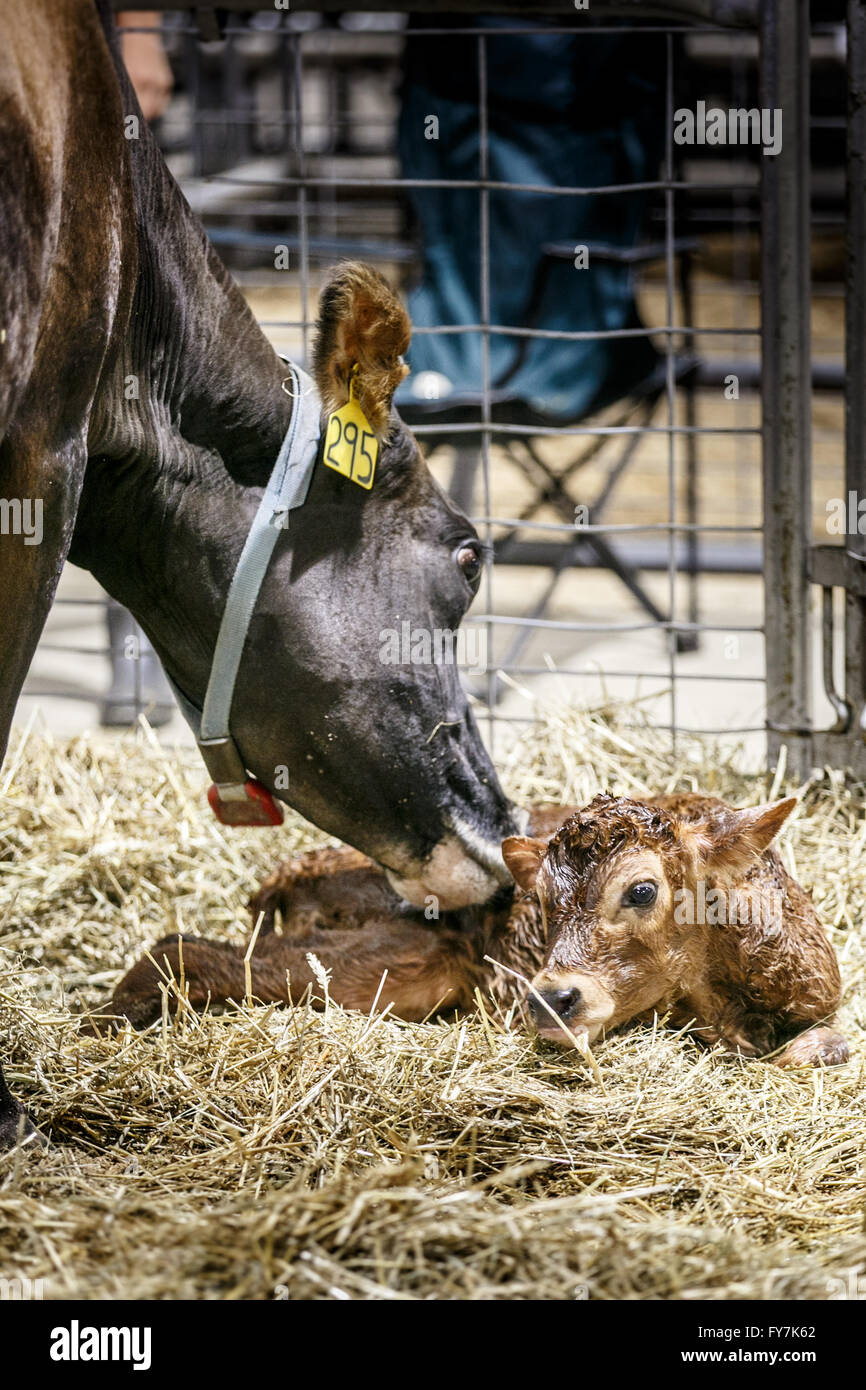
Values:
[(235, 797)]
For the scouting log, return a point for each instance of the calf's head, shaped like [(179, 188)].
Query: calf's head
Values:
[(615, 884)]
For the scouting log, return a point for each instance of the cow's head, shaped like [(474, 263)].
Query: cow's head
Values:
[(356, 631)]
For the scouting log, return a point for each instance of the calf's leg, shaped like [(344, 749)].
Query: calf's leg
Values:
[(424, 971), (210, 972), (323, 888), (818, 1047)]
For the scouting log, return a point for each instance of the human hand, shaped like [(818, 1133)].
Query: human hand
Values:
[(145, 60)]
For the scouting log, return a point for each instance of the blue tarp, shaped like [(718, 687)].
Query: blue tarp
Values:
[(577, 111)]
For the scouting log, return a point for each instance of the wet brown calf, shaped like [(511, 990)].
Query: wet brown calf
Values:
[(677, 905), (680, 905)]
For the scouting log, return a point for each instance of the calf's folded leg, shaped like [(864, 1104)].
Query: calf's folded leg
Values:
[(424, 970), (210, 971), (815, 1048)]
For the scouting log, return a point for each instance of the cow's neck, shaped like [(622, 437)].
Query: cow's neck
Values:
[(187, 422), (197, 382)]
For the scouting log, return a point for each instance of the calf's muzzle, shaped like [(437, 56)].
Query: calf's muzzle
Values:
[(562, 1001), (564, 1004)]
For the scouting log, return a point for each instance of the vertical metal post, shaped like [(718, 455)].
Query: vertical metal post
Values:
[(192, 65), (484, 315), (786, 382), (855, 351), (300, 168), (670, 379)]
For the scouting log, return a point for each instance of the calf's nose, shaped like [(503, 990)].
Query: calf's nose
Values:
[(562, 1001)]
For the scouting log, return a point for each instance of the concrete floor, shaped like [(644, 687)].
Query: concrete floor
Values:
[(718, 687)]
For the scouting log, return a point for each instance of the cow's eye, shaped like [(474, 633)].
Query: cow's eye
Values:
[(641, 895), (469, 559)]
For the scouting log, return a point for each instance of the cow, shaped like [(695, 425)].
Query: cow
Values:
[(143, 409)]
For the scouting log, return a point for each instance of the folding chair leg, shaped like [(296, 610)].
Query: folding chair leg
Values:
[(607, 556), (525, 634), (610, 560)]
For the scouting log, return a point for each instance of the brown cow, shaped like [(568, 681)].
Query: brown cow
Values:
[(678, 905), (142, 415)]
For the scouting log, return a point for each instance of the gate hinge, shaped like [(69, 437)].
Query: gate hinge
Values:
[(834, 567)]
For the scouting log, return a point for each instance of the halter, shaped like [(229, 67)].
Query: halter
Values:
[(235, 797)]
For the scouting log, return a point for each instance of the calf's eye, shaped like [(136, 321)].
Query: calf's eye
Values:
[(641, 895)]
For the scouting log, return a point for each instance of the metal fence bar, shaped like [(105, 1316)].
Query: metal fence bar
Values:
[(702, 731), (786, 382), (576, 431), (844, 566), (670, 372), (599, 528), (715, 12), (554, 334), (298, 111), (484, 306), (573, 625), (492, 185), (855, 354)]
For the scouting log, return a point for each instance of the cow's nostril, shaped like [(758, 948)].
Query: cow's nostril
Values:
[(562, 1001)]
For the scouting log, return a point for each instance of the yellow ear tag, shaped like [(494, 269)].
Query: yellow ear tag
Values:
[(351, 447)]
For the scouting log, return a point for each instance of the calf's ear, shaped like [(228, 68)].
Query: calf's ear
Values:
[(736, 839), (361, 324), (523, 859)]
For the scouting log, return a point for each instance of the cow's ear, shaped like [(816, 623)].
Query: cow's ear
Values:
[(362, 325), (523, 859), (737, 838)]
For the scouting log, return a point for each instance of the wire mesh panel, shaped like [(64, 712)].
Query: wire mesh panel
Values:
[(587, 352)]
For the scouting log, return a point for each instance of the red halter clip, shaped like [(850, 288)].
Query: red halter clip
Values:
[(247, 803)]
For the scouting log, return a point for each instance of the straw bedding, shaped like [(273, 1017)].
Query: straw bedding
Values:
[(277, 1154)]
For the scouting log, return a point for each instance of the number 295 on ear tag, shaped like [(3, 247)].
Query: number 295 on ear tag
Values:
[(351, 447)]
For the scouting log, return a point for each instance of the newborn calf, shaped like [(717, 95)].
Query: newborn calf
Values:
[(680, 905), (674, 905)]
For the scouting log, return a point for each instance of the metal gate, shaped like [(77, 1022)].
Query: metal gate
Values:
[(842, 566), (277, 141)]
